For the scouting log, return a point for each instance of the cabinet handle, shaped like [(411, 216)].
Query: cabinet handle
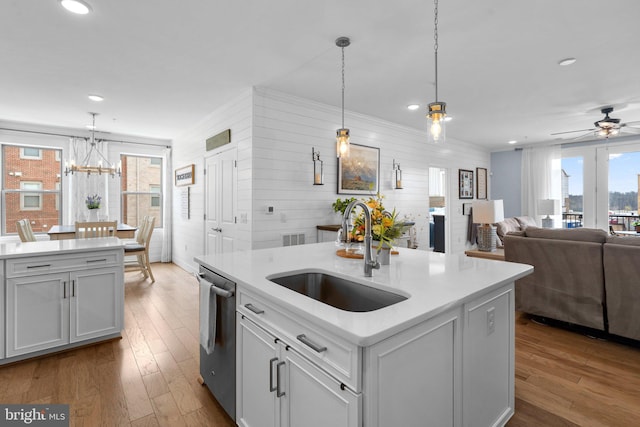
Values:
[(278, 392), (97, 260), (64, 290), (315, 347), (251, 307), (39, 266), (73, 288), (271, 386)]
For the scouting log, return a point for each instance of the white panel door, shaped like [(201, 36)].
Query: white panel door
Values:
[(97, 300), (220, 202), (37, 313)]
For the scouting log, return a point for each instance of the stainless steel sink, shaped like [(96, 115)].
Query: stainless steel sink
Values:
[(337, 292)]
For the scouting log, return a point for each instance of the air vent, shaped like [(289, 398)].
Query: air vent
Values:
[(292, 239)]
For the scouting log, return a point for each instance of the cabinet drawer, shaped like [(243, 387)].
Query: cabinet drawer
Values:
[(57, 263), (337, 356)]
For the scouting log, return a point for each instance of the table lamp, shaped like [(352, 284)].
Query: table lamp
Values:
[(548, 207), (486, 213)]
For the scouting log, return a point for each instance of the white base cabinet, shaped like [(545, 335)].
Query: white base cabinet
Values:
[(455, 369), (277, 386), (53, 301)]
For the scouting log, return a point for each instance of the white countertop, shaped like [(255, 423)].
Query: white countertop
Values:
[(54, 247), (433, 282)]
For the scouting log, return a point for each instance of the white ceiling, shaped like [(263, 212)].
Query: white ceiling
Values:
[(162, 65)]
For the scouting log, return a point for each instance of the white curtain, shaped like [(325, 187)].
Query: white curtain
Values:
[(168, 186), (541, 179)]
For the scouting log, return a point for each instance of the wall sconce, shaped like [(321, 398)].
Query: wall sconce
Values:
[(318, 172), (397, 174)]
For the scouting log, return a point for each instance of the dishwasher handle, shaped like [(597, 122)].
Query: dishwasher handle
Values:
[(224, 293)]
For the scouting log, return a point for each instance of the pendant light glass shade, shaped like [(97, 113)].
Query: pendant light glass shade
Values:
[(438, 109), (435, 121), (342, 143), (342, 134)]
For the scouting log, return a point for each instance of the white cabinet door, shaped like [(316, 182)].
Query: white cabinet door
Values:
[(257, 361), (37, 313), (489, 359), (414, 376), (312, 398), (97, 303)]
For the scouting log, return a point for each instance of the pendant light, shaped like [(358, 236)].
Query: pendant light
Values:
[(437, 110), (94, 161), (342, 135)]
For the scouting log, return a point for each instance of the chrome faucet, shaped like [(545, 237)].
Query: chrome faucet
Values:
[(369, 262)]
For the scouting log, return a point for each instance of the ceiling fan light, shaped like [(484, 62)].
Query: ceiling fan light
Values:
[(78, 7)]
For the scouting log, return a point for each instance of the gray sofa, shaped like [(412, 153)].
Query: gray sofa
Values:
[(581, 276)]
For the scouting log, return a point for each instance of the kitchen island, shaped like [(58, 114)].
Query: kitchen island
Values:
[(443, 356), (59, 294)]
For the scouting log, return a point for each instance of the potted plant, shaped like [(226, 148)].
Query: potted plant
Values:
[(636, 224), (340, 205)]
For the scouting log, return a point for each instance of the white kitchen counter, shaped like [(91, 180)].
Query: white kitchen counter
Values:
[(55, 247), (433, 282)]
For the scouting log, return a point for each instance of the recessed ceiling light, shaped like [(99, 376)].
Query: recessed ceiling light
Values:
[(566, 61), (79, 7), (413, 106), (513, 141), (96, 98), (448, 118)]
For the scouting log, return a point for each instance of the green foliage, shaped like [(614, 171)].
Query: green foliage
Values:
[(340, 205)]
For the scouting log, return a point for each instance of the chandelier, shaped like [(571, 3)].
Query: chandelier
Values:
[(437, 110), (342, 137), (94, 161)]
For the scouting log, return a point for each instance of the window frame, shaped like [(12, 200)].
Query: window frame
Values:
[(24, 192), (29, 157), (151, 194), (5, 191)]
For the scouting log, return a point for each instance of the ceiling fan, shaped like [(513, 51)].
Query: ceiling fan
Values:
[(606, 127)]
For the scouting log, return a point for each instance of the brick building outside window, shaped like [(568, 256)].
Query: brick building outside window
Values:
[(30, 187)]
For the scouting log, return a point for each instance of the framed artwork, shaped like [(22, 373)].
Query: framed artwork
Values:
[(481, 183), (465, 183), (185, 176), (360, 172)]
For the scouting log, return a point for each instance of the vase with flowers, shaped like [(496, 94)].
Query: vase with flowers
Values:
[(93, 204), (385, 227)]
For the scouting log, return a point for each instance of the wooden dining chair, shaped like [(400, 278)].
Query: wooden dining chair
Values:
[(140, 249), (24, 230), (95, 229)]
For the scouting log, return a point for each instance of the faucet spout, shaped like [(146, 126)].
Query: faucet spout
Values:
[(369, 262)]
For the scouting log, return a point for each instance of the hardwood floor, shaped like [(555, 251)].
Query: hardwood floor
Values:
[(148, 378), (567, 379)]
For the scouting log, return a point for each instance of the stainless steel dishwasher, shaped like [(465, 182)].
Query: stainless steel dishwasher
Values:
[(218, 361)]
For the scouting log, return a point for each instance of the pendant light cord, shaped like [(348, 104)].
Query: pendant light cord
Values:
[(342, 87), (435, 45)]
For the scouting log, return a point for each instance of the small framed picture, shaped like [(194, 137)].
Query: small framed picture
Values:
[(185, 176), (465, 184), (481, 183), (359, 173)]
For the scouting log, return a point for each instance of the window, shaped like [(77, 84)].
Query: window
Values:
[(30, 153), (155, 199), (572, 193), (30, 201), (30, 189), (141, 183)]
